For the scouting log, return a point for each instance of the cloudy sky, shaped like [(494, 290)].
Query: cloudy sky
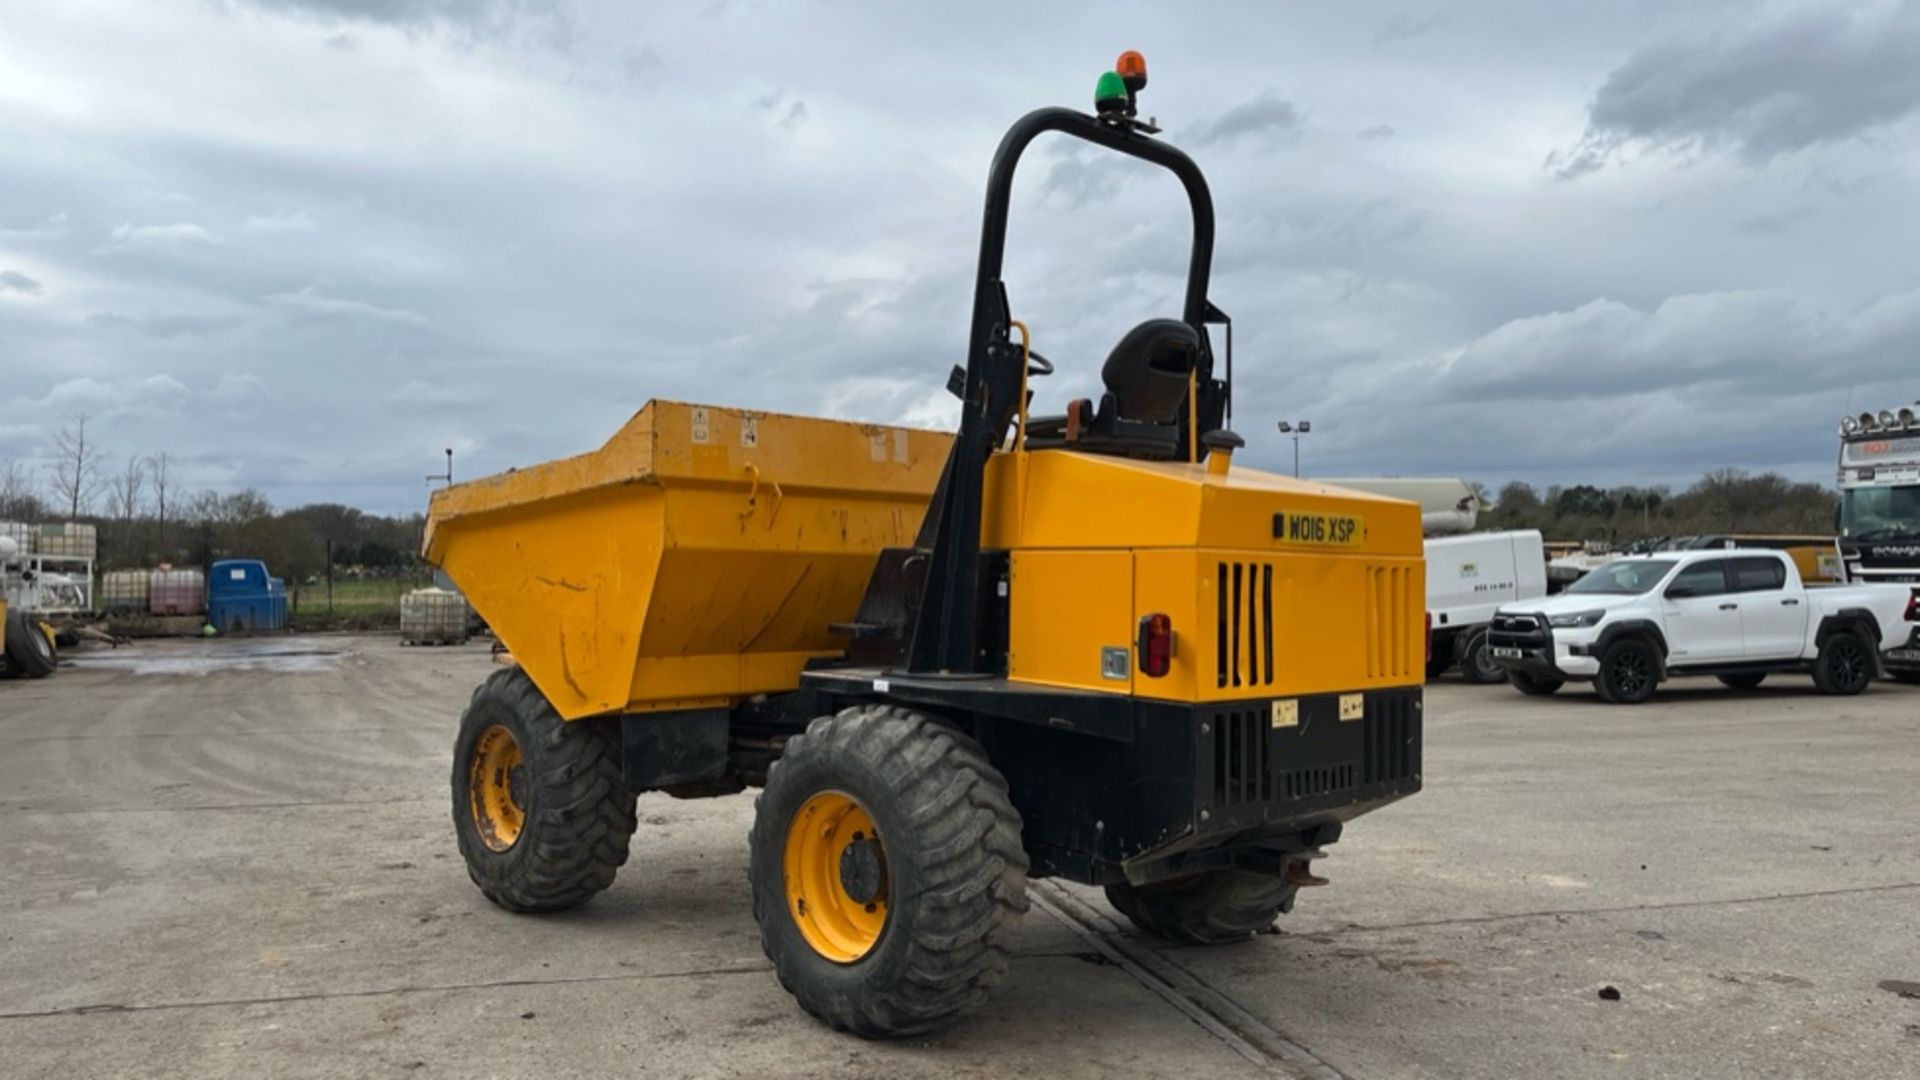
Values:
[(303, 245)]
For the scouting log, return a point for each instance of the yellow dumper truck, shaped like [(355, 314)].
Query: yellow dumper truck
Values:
[(1083, 645)]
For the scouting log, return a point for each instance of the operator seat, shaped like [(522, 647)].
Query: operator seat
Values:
[(1147, 375)]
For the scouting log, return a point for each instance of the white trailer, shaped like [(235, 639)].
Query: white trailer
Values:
[(1468, 578)]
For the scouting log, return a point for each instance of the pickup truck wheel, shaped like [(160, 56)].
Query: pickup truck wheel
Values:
[(1627, 672), (887, 871), (1744, 681), (1533, 684), (540, 806), (1844, 666), (1476, 661), (1213, 907)]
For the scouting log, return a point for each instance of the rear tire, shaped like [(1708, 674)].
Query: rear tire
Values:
[(1533, 684), (911, 930), (1627, 672), (1476, 661), (1747, 681), (28, 648), (1214, 907), (540, 807), (1845, 664)]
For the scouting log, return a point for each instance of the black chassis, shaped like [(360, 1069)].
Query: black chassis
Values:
[(1110, 787)]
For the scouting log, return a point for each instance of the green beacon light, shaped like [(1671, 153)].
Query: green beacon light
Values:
[(1110, 97)]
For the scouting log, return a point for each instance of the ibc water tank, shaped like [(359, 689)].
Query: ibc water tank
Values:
[(433, 617), (123, 591), (78, 541), (177, 592)]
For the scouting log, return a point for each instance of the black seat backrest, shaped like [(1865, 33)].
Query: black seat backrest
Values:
[(1147, 372)]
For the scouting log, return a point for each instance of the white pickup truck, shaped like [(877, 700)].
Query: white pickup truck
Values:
[(1740, 615)]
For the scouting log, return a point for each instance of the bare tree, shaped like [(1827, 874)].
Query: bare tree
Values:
[(158, 466), (124, 493), (19, 496), (76, 468)]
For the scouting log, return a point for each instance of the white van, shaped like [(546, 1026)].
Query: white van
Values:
[(1470, 576)]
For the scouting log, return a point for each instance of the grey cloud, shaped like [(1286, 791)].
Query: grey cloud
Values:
[(642, 64), (15, 281), (1769, 224), (1402, 25), (1606, 350), (1076, 176), (292, 221), (53, 225), (787, 113), (513, 250), (1822, 74), (1660, 394), (163, 326), (1266, 119), (311, 303), (128, 237), (413, 13)]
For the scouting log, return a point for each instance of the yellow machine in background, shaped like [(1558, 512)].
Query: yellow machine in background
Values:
[(1084, 645)]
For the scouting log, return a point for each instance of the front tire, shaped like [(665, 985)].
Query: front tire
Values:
[(1214, 907), (887, 871), (1743, 681), (540, 807), (1476, 662), (28, 647), (1534, 685), (1628, 672), (1845, 664)]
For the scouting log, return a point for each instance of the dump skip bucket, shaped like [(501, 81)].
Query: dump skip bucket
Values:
[(695, 559)]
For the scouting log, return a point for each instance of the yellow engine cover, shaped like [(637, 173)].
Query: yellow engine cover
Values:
[(1275, 586)]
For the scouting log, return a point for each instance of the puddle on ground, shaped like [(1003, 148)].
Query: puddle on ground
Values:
[(278, 656)]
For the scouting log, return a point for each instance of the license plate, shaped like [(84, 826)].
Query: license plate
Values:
[(1320, 530), (1506, 654)]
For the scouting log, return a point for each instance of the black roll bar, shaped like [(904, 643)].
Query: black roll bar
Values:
[(946, 638)]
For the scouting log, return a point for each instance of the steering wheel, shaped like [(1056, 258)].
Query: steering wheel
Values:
[(1037, 364)]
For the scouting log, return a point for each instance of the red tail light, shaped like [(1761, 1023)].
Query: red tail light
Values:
[(1913, 606), (1156, 645), (1429, 637)]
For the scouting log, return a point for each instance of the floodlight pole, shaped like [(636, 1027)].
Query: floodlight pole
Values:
[(1296, 430)]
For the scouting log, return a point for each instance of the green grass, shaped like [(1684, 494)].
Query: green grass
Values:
[(356, 599)]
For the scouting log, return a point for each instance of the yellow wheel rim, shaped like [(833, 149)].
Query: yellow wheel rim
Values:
[(496, 772), (837, 878)]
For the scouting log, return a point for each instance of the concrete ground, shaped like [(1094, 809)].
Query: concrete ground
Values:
[(235, 860)]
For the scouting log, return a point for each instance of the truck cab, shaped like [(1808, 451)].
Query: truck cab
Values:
[(1879, 518), (1469, 578), (1738, 615)]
